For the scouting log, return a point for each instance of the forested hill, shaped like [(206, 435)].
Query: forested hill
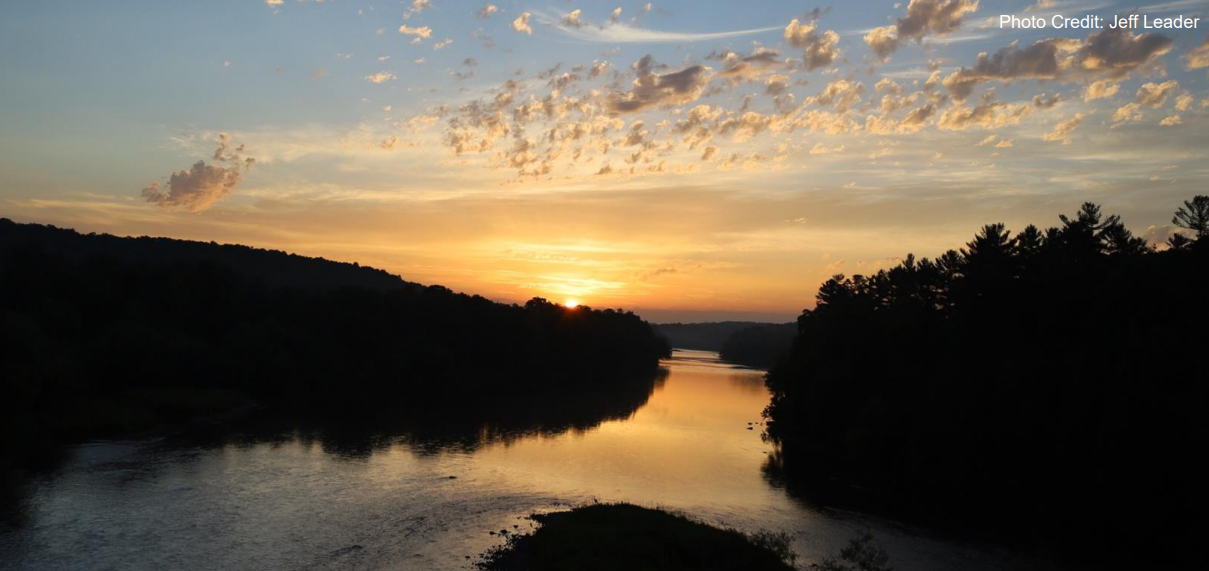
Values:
[(1049, 382), (271, 267), (102, 335), (702, 336)]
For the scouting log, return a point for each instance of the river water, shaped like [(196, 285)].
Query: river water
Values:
[(295, 501)]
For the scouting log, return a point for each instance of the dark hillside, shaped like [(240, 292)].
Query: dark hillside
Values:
[(103, 335)]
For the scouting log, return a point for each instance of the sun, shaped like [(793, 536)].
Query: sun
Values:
[(571, 303)]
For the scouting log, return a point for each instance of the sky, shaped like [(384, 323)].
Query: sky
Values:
[(689, 161)]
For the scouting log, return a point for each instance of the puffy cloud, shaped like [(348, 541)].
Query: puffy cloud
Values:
[(1100, 89), (1184, 102), (615, 17), (1062, 131), (598, 69), (1117, 53), (1037, 61), (746, 126), (1127, 114), (1042, 102), (1154, 95), (199, 187), (419, 32), (442, 44), (572, 19), (739, 68), (487, 11), (818, 49), (417, 6), (989, 114), (1108, 54), (776, 84), (521, 23), (381, 77), (1171, 121), (651, 89), (841, 93), (1198, 57), (923, 18), (889, 86)]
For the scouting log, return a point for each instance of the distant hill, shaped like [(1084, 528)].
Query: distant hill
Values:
[(760, 346), (272, 268), (702, 336)]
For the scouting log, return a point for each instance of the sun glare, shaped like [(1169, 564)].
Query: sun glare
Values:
[(571, 303)]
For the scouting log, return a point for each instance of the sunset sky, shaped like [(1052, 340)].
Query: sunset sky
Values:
[(688, 160)]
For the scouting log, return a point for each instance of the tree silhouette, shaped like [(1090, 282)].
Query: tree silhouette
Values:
[(1194, 215), (1016, 383)]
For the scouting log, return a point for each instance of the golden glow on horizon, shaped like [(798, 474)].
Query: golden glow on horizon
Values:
[(571, 303)]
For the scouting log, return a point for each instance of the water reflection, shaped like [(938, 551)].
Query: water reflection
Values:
[(424, 491), (464, 428)]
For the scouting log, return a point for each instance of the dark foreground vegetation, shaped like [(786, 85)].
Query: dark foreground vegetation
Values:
[(608, 537), (1051, 382), (104, 335), (760, 346)]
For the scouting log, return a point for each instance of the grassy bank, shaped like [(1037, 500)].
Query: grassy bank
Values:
[(622, 536)]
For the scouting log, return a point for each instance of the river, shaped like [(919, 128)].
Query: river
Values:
[(295, 501)]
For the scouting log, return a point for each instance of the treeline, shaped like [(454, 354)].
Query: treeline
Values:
[(709, 336), (1052, 382), (760, 346), (101, 334)]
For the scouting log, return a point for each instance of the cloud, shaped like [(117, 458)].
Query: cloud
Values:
[(421, 32), (818, 49), (1100, 89), (821, 149), (989, 114), (776, 84), (1154, 95), (1127, 114), (651, 90), (572, 19), (521, 24), (1171, 121), (442, 44), (1041, 102), (615, 16), (1062, 131), (197, 188), (1109, 54), (739, 68), (1198, 57), (417, 6), (841, 93), (487, 11), (381, 77), (617, 32), (923, 18)]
